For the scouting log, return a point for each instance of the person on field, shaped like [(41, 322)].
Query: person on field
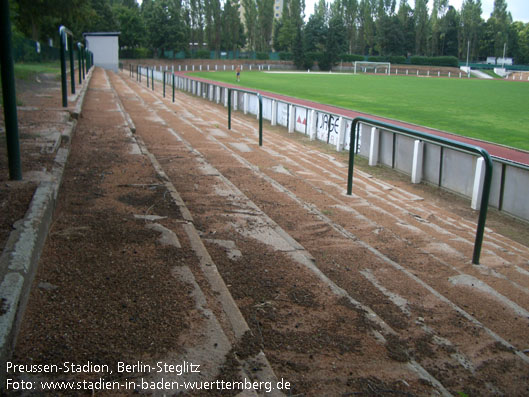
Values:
[(238, 71)]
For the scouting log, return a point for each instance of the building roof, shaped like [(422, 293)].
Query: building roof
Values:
[(101, 34)]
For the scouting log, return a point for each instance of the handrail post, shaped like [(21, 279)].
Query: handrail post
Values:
[(483, 208), (9, 95), (80, 62), (351, 158), (72, 66), (229, 108), (62, 33), (260, 98), (83, 62), (173, 85)]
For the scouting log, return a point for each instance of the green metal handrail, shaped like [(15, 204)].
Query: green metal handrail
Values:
[(9, 94), (259, 98), (80, 48), (64, 32), (444, 142)]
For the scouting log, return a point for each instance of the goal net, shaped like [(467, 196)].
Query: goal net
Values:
[(372, 67)]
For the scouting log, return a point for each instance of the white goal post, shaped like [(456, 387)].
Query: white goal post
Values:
[(364, 66)]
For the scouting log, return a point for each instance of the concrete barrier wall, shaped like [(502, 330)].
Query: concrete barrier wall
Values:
[(450, 169)]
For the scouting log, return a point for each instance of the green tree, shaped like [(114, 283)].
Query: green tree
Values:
[(523, 42), (250, 21), (130, 24), (265, 23), (421, 26), (449, 44), (40, 19), (164, 25), (407, 24), (438, 10), (500, 20), (471, 27), (213, 24), (232, 37), (335, 44), (315, 33), (350, 19), (366, 29)]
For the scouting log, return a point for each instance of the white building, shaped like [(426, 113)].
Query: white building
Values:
[(105, 47), (278, 9)]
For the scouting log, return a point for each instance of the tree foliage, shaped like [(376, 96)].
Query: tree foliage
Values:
[(380, 28)]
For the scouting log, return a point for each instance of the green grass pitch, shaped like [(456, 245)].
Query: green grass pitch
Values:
[(491, 110)]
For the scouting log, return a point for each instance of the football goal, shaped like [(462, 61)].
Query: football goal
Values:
[(372, 67)]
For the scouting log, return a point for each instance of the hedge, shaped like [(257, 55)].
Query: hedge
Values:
[(435, 61), (285, 56)]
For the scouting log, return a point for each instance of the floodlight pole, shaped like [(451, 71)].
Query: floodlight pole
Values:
[(503, 61)]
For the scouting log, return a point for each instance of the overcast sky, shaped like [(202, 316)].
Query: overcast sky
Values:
[(519, 8)]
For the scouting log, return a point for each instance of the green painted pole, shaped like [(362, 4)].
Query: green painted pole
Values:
[(260, 98), (461, 146), (147, 77), (163, 83), (79, 63), (483, 207), (83, 62), (173, 86), (152, 78), (351, 159), (9, 94), (72, 66), (229, 108), (64, 89)]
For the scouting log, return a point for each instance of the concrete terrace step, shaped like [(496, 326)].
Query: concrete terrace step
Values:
[(288, 182)]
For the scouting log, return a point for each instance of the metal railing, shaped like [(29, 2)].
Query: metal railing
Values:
[(443, 142), (85, 59), (440, 141), (64, 32), (9, 94)]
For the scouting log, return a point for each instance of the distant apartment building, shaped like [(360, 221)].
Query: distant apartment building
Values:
[(278, 9)]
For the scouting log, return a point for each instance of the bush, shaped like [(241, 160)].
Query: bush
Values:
[(377, 59), (315, 56), (285, 56), (435, 61), (445, 61), (398, 59), (24, 50), (419, 60), (351, 57), (326, 62), (202, 54)]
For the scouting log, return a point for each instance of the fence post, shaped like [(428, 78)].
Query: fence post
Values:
[(9, 94), (163, 78), (173, 85)]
